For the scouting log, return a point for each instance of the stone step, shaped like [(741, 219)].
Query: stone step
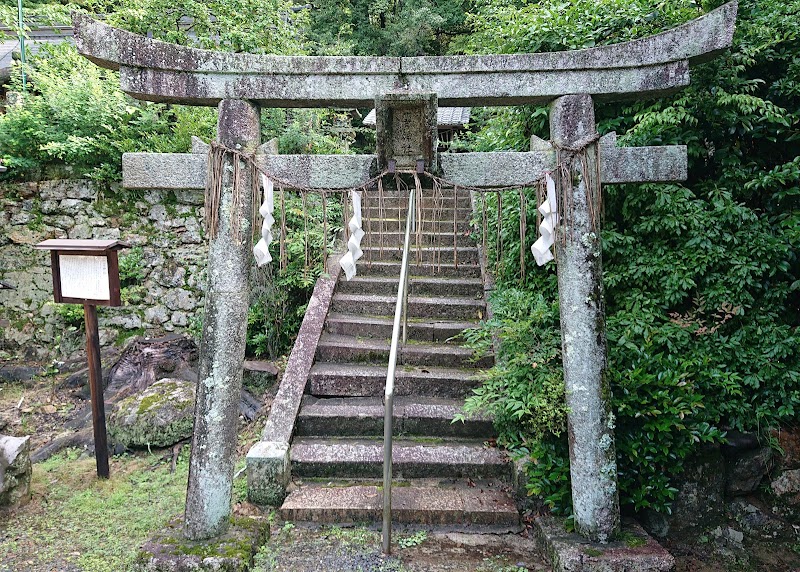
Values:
[(392, 268), (341, 349), (352, 379), (420, 286), (430, 225), (363, 417), (429, 211), (392, 238), (417, 504), (362, 458), (423, 330), (429, 200), (425, 254), (455, 308)]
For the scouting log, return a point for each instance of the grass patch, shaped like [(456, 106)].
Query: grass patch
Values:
[(632, 541), (97, 525), (412, 540)]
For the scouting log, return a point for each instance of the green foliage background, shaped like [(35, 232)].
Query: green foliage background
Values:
[(702, 278)]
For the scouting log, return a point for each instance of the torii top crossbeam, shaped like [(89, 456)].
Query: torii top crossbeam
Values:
[(157, 71)]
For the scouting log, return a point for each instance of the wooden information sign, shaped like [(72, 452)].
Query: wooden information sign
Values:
[(87, 272)]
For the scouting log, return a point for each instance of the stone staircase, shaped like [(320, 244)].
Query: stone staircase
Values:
[(444, 472)]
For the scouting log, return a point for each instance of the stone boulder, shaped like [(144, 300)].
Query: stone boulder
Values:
[(15, 471), (760, 523), (786, 489), (159, 416), (700, 500), (258, 376), (747, 463), (789, 442)]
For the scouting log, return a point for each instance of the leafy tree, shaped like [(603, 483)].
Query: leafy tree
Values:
[(386, 27), (253, 26), (701, 278)]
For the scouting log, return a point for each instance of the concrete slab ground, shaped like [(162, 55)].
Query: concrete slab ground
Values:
[(299, 549), (636, 551)]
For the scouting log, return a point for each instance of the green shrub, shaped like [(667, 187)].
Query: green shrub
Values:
[(279, 297), (702, 290), (75, 115)]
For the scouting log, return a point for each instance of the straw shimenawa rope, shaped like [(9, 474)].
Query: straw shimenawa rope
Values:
[(566, 157)]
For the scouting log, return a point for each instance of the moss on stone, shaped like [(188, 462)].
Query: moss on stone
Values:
[(232, 552), (160, 416)]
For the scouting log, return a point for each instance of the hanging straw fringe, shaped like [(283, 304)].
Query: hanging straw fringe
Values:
[(418, 201), (284, 255), (523, 231), (324, 231), (455, 227), (244, 166)]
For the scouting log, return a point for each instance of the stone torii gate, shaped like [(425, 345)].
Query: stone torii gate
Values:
[(239, 84)]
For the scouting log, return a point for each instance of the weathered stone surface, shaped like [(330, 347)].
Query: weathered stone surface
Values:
[(214, 441), (15, 471), (786, 489), (406, 129), (453, 308), (699, 502), (170, 551), (363, 416), (346, 349), (160, 416), (172, 258), (788, 483), (163, 171), (746, 469), (364, 459), (268, 472), (618, 165), (757, 523), (416, 504), (156, 71), (593, 466), (333, 379), (570, 552)]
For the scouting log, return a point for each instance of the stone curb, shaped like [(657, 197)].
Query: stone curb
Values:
[(268, 467)]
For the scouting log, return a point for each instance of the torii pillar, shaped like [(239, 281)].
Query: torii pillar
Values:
[(590, 422), (216, 422)]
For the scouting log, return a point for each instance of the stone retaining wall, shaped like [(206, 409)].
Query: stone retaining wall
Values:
[(163, 273)]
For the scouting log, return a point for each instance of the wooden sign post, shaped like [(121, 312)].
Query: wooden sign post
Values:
[(87, 272)]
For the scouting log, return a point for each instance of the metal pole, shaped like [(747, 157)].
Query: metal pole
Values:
[(389, 395), (96, 389), (21, 35)]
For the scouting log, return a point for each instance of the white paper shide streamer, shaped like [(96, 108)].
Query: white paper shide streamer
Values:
[(549, 209), (261, 249), (354, 252)]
